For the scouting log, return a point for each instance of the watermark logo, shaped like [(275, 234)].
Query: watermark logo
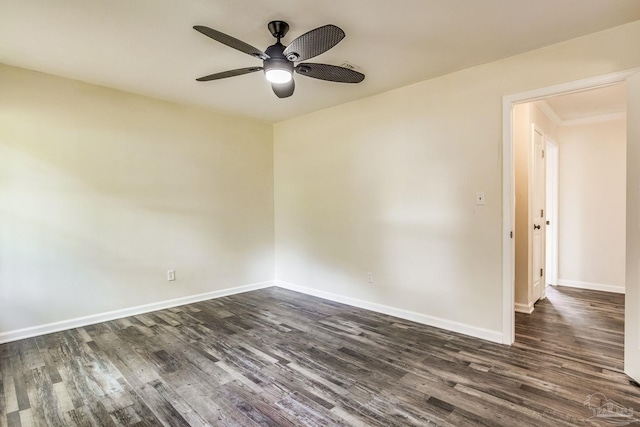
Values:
[(608, 411)]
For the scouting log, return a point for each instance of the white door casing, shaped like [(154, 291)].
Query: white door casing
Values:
[(551, 212), (632, 285), (508, 192), (536, 213)]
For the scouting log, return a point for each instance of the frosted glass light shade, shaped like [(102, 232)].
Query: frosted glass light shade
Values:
[(278, 76)]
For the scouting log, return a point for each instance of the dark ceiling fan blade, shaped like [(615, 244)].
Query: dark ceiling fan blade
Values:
[(230, 73), (283, 90), (313, 43), (231, 42), (330, 73)]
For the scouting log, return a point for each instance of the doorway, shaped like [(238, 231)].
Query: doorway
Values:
[(590, 126), (509, 104)]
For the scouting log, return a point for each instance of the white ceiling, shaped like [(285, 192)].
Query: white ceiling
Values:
[(149, 46), (603, 101)]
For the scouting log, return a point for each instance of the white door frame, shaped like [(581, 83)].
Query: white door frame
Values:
[(551, 212), (508, 187), (533, 214), (632, 270)]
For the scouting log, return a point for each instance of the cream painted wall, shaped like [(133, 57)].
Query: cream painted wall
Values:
[(525, 116), (521, 148), (592, 203), (101, 192), (387, 184)]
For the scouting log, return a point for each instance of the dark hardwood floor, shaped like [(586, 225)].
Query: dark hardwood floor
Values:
[(579, 325), (278, 358)]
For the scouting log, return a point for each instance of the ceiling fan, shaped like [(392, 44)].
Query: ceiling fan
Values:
[(278, 60)]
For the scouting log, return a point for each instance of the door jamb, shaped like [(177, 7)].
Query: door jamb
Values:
[(551, 272), (531, 215), (508, 187)]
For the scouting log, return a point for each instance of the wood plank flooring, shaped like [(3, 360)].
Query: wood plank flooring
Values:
[(585, 326), (278, 358)]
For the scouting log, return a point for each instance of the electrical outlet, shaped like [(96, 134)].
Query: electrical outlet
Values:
[(370, 277), (171, 275)]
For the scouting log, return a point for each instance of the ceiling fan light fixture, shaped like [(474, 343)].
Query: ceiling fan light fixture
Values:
[(278, 70), (278, 76), (278, 60)]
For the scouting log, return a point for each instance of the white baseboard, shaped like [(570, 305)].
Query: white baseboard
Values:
[(591, 286), (485, 334), (524, 308), (78, 322), (482, 333)]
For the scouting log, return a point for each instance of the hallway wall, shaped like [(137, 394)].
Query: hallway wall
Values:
[(592, 200)]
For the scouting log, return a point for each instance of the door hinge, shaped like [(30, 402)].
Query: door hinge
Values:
[(511, 234), (540, 272), (541, 213), (543, 154)]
